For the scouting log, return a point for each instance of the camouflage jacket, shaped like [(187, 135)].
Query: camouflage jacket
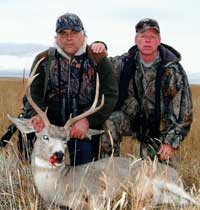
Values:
[(174, 102), (72, 83)]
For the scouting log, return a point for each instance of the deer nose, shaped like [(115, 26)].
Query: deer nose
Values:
[(59, 156)]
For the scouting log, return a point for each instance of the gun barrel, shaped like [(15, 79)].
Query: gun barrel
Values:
[(7, 135)]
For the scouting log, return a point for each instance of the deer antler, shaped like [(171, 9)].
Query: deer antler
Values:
[(42, 114), (90, 111)]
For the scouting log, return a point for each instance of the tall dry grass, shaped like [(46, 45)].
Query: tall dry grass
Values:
[(17, 190)]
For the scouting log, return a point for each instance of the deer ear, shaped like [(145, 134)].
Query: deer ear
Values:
[(22, 124)]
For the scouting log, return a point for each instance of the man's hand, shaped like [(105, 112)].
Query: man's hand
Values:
[(98, 48), (37, 123), (79, 129), (166, 152)]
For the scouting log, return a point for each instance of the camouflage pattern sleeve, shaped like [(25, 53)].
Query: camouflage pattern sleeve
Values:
[(131, 106), (176, 116), (117, 64)]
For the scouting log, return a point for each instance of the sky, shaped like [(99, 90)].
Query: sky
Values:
[(28, 26)]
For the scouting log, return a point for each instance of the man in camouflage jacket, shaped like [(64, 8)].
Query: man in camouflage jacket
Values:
[(154, 96), (66, 84)]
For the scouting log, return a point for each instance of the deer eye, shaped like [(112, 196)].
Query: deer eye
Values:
[(45, 137)]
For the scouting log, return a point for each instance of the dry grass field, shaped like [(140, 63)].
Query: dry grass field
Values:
[(22, 195)]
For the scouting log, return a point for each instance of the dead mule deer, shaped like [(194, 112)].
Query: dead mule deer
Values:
[(94, 185)]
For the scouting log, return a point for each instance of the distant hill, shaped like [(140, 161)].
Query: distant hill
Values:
[(21, 49), (194, 78), (18, 74)]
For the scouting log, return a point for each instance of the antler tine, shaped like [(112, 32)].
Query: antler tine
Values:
[(42, 114), (92, 109)]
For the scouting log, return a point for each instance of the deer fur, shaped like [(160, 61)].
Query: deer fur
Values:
[(94, 185)]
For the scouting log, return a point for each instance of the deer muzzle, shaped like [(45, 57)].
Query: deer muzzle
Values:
[(57, 158)]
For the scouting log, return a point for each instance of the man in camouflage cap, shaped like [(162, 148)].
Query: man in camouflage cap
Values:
[(66, 84), (154, 96)]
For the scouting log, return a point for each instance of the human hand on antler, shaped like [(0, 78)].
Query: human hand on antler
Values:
[(79, 129)]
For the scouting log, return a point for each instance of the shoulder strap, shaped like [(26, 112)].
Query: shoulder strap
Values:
[(38, 57), (157, 97), (51, 56)]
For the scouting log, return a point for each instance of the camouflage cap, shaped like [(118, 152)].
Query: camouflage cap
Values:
[(146, 24), (69, 21)]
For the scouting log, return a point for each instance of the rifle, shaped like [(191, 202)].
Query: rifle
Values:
[(8, 133)]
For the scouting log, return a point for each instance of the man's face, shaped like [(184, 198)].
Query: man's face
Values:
[(148, 42), (70, 41)]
